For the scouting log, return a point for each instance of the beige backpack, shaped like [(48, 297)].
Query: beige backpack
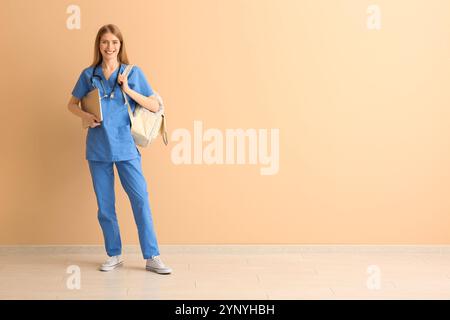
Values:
[(145, 124)]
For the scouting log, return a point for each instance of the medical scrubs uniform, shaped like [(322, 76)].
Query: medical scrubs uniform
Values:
[(112, 143)]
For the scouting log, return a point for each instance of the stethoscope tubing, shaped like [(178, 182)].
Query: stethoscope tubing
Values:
[(111, 94)]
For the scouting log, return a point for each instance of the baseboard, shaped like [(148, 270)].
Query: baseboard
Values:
[(233, 248)]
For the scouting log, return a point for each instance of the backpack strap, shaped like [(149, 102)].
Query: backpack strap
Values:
[(125, 73), (127, 70), (164, 130)]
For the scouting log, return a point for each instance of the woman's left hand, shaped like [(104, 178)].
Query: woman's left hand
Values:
[(123, 82)]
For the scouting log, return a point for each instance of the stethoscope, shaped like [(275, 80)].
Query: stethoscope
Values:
[(111, 94)]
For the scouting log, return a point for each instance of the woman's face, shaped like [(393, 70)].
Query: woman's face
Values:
[(109, 46)]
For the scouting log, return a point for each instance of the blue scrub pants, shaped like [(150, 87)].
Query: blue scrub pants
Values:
[(134, 184)]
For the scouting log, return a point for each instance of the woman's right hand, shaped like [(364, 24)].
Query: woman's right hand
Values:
[(91, 119)]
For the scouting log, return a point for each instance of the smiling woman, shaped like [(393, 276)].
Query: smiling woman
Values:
[(110, 53), (110, 49), (110, 45), (110, 142)]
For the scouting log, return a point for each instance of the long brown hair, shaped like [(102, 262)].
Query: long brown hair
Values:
[(109, 28)]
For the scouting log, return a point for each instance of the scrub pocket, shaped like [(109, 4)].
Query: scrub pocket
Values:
[(124, 134)]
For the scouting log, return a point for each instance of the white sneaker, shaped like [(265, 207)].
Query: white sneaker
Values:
[(111, 263), (155, 264)]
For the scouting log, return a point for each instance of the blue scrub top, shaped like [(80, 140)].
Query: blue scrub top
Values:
[(112, 140)]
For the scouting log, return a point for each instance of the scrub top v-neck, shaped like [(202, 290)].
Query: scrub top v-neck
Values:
[(112, 141)]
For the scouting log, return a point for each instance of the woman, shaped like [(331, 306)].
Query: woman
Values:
[(110, 142)]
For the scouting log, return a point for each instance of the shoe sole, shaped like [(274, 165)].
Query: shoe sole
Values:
[(112, 267), (158, 271)]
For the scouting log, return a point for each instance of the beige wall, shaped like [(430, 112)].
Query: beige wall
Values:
[(363, 115)]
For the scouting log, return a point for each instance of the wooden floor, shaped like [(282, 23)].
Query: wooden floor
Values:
[(230, 272)]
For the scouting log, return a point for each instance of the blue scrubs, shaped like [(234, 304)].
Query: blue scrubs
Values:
[(112, 143)]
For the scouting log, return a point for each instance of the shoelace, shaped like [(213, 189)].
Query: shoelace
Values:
[(110, 259), (157, 259)]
